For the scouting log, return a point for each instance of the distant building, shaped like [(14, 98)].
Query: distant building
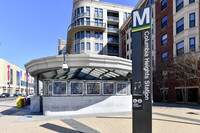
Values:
[(13, 79), (62, 45)]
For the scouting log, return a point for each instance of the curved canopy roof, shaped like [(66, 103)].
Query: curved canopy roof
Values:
[(81, 66)]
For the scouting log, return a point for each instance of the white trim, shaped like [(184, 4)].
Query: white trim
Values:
[(114, 88), (93, 94), (125, 88), (58, 94)]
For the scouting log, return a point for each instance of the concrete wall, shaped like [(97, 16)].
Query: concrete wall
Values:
[(58, 106)]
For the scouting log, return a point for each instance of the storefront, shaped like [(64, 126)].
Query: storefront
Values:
[(91, 84)]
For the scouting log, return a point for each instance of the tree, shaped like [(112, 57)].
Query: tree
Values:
[(186, 68)]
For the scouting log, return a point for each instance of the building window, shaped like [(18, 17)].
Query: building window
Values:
[(78, 47), (180, 48), (127, 57), (100, 22), (127, 36), (163, 5), (150, 2), (152, 44), (82, 34), (88, 34), (191, 1), (131, 45), (88, 45), (82, 46), (96, 35), (87, 21), (87, 11), (75, 48), (127, 47), (95, 12), (192, 20), (78, 22), (100, 13), (101, 46), (164, 22), (96, 22), (75, 37), (78, 12), (82, 11), (125, 16), (192, 44), (180, 26), (101, 35), (152, 29), (96, 47), (179, 5), (164, 39), (82, 21), (164, 57), (78, 35), (18, 77)]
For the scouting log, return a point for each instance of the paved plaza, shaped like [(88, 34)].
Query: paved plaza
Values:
[(166, 119)]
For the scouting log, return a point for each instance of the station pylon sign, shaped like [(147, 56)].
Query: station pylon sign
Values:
[(141, 70)]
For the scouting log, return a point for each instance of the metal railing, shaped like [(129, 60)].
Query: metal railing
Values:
[(81, 15), (113, 41), (87, 23), (111, 29), (113, 18)]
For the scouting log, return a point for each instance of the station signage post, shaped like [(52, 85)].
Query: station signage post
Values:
[(141, 70)]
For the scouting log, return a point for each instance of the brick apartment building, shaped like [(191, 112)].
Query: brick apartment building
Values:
[(175, 33)]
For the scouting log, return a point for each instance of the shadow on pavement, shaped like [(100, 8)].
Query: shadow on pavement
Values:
[(196, 106), (59, 129), (176, 121), (18, 111)]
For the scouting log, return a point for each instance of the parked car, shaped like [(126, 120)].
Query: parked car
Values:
[(15, 95), (5, 95)]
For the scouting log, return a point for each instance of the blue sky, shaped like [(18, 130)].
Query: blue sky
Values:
[(30, 29)]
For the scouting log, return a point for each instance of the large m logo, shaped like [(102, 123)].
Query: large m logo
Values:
[(141, 18)]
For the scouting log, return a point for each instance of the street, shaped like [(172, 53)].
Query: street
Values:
[(7, 98), (166, 119)]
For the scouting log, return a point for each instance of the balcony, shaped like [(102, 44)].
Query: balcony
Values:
[(81, 26), (113, 52), (113, 18), (81, 15), (113, 30), (113, 41)]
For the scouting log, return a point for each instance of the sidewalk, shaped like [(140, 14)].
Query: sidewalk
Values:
[(164, 119)]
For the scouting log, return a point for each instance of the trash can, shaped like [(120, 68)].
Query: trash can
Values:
[(18, 102), (28, 101)]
